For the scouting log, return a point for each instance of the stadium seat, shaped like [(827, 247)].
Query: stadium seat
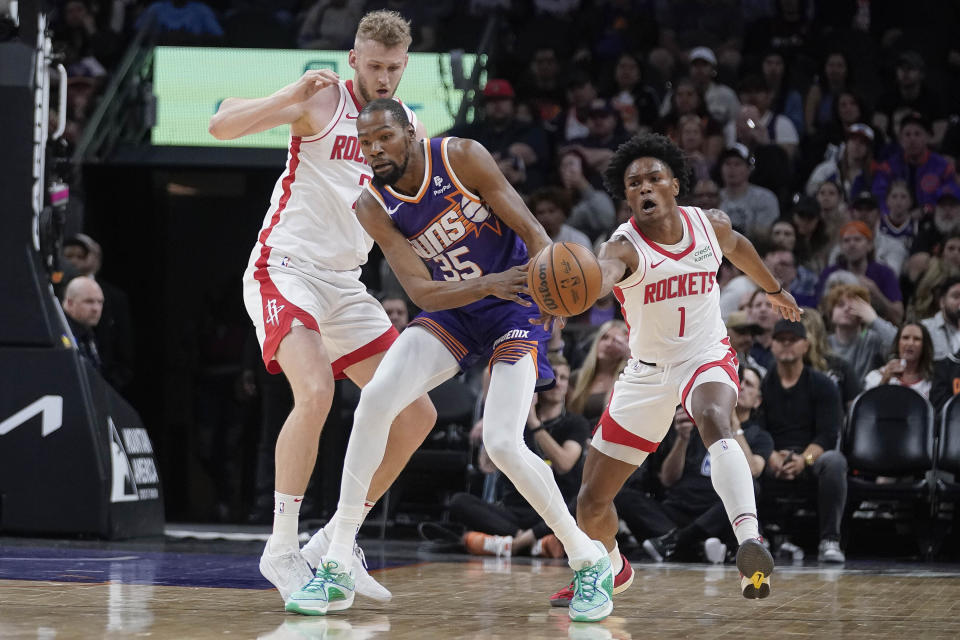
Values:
[(889, 433), (948, 452)]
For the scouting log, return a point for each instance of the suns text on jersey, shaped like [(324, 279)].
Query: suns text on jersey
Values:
[(441, 234), (679, 286)]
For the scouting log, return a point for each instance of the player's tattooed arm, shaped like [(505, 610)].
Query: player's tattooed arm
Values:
[(617, 259), (478, 171), (424, 291), (741, 252), (302, 104)]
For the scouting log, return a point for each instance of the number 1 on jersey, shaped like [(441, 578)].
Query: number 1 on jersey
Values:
[(683, 319)]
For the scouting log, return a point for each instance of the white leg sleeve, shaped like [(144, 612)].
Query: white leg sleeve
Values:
[(414, 364), (504, 420)]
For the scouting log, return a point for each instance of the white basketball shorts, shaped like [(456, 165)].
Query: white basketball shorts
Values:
[(280, 294), (645, 398)]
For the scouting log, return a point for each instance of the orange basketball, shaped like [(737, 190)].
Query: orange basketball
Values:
[(564, 279)]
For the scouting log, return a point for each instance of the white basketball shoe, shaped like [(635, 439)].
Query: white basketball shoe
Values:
[(287, 571), (319, 544)]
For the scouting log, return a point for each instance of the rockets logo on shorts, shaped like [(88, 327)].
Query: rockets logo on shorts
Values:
[(273, 311)]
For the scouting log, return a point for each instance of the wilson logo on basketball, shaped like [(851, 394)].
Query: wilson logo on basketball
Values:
[(544, 295)]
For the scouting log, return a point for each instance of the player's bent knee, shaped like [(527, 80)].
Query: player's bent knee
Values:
[(590, 504), (422, 412), (315, 397), (716, 416), (500, 449), (379, 402)]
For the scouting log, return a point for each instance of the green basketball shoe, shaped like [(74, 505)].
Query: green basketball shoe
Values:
[(593, 590), (331, 589)]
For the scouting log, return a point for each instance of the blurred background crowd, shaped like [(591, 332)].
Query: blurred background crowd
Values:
[(828, 131)]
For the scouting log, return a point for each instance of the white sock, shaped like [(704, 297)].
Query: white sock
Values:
[(616, 560), (286, 522), (504, 419), (328, 529), (730, 474), (394, 386)]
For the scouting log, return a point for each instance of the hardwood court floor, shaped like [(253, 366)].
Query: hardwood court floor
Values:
[(132, 594)]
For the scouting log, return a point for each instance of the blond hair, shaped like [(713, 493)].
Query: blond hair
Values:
[(388, 28), (839, 293), (926, 300), (588, 370), (816, 355)]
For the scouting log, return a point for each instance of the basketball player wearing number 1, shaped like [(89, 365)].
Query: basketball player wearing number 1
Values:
[(661, 265), (457, 235)]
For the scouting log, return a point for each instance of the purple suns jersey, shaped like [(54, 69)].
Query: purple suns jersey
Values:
[(450, 228), (459, 238)]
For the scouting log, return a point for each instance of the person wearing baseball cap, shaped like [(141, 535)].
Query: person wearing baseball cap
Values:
[(752, 209), (722, 102), (856, 256), (516, 146), (804, 427), (497, 89), (853, 168), (606, 130), (742, 330)]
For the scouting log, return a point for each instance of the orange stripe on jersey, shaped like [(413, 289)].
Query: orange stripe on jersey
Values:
[(426, 178), (453, 174), (514, 358), (451, 343), (513, 350)]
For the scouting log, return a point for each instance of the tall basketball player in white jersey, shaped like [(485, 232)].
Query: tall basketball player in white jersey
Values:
[(661, 265), (314, 319)]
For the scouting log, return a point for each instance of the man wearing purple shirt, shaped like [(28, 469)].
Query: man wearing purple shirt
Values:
[(856, 257)]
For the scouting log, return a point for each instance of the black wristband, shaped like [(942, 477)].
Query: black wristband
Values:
[(773, 293), (540, 428)]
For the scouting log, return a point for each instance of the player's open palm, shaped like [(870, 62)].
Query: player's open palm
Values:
[(311, 82), (785, 305)]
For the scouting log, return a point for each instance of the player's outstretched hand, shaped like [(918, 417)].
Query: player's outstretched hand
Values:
[(310, 82), (508, 284), (550, 323), (784, 303)]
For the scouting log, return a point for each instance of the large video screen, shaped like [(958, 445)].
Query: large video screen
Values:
[(190, 83)]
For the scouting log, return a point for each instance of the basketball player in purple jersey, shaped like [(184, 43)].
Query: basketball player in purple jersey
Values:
[(457, 236)]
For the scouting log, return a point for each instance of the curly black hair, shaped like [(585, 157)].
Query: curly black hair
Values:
[(645, 145)]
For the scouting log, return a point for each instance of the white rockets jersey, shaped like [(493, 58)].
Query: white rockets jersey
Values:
[(311, 216), (672, 302)]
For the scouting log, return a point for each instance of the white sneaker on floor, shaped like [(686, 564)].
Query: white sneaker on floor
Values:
[(287, 571), (319, 544), (830, 551), (714, 550)]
